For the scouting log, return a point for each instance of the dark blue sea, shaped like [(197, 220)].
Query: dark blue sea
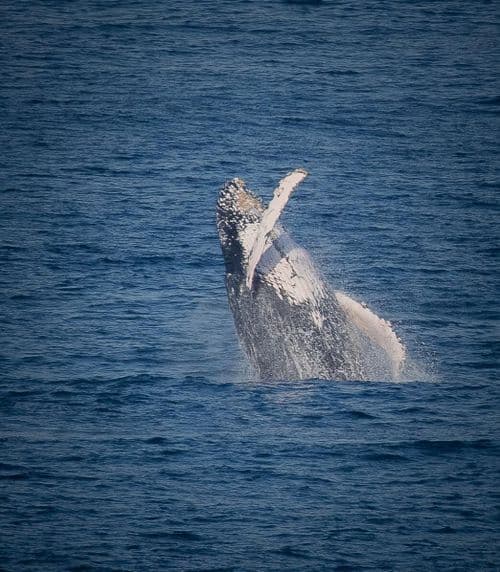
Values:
[(133, 436)]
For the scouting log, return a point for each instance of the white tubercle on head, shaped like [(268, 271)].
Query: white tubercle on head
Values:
[(271, 214), (377, 329)]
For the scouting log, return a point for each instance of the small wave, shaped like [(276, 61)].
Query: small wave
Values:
[(452, 445), (385, 457), (9, 467), (414, 409), (445, 530), (14, 477), (185, 535), (357, 414), (337, 72), (156, 441), (169, 453), (291, 551), (494, 100), (312, 417), (196, 379)]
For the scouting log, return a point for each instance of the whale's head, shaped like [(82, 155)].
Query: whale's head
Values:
[(239, 212)]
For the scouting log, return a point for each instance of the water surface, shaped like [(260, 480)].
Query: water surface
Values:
[(132, 435)]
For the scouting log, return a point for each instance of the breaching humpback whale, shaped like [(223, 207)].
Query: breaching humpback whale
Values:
[(291, 323)]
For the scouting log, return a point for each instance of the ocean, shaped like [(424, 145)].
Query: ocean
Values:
[(133, 435)]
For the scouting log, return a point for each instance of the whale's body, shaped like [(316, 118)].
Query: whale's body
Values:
[(291, 323)]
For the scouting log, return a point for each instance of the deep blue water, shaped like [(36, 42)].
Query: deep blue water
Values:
[(132, 435)]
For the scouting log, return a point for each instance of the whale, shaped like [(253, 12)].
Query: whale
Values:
[(291, 323)]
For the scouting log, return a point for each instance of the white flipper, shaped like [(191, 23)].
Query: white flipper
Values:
[(271, 214), (377, 329)]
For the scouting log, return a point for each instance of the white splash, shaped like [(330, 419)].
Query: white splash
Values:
[(281, 195)]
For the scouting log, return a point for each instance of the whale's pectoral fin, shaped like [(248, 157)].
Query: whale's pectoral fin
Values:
[(377, 329), (271, 214)]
